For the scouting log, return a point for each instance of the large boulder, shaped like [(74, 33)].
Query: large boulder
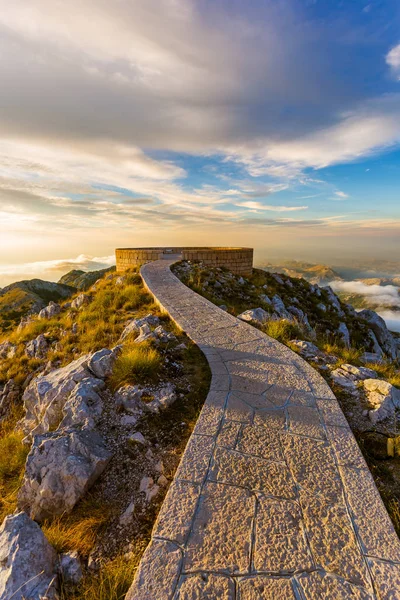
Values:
[(37, 348), (258, 315), (50, 311), (382, 397), (382, 334), (27, 561), (45, 396), (60, 468)]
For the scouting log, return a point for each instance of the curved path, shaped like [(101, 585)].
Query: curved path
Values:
[(272, 499)]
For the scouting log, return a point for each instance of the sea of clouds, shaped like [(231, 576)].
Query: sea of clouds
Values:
[(375, 295)]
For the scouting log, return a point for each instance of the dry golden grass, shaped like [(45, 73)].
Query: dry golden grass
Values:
[(345, 355), (283, 330), (137, 363), (111, 583), (13, 455), (78, 530)]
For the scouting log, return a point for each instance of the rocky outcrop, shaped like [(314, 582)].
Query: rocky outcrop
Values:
[(80, 301), (334, 300), (348, 377), (60, 468), (382, 334), (50, 311), (27, 561), (134, 326), (344, 334), (45, 396), (37, 348), (382, 397)]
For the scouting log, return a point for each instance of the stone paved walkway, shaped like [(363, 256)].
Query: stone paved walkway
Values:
[(272, 499)]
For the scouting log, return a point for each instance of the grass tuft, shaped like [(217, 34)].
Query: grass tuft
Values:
[(137, 363), (283, 330), (78, 530), (111, 583)]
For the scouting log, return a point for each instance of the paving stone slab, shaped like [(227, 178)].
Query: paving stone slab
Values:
[(220, 539), (371, 519), (205, 586), (280, 539), (252, 472), (177, 512), (265, 588)]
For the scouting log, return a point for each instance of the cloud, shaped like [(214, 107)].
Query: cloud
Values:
[(259, 206), (375, 295), (341, 195), (393, 60)]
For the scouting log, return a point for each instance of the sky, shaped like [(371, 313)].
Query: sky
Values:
[(273, 124)]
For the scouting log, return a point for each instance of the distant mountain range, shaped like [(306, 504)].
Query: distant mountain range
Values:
[(30, 296), (319, 274)]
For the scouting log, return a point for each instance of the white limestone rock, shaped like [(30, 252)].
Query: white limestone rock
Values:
[(137, 438), (359, 373), (149, 488), (129, 396), (383, 398), (37, 348), (134, 325), (127, 516), (70, 568), (60, 468), (84, 405), (45, 396), (80, 301), (102, 362), (306, 349), (265, 299), (258, 315), (279, 307), (27, 561), (277, 278), (50, 311)]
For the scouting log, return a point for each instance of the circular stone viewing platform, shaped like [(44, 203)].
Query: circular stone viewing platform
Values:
[(237, 260)]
